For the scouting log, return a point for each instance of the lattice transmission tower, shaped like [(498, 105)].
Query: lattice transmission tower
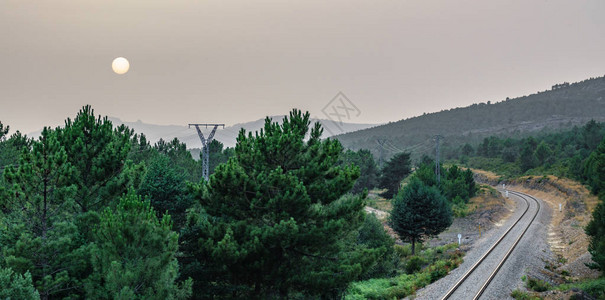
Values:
[(205, 148), (437, 167)]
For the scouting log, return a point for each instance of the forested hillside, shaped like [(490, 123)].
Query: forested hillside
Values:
[(564, 106), (90, 210), (563, 154)]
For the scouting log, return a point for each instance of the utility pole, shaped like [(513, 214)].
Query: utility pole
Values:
[(205, 149), (437, 168), (381, 143)]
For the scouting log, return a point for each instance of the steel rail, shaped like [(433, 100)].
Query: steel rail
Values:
[(482, 259)]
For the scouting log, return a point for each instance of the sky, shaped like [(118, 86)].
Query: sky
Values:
[(233, 61)]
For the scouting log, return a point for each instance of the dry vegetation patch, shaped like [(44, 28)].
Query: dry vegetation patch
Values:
[(566, 235)]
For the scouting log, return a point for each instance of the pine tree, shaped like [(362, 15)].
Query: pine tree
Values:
[(134, 254), (592, 134), (98, 154), (16, 286), (394, 172), (467, 149), (373, 236), (140, 149), (594, 169), (12, 148), (368, 169), (166, 189), (543, 154), (595, 172), (527, 158), (3, 131), (180, 158), (419, 211), (40, 235), (596, 232), (276, 221)]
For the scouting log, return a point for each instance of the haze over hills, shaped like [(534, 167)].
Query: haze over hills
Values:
[(564, 106), (228, 135)]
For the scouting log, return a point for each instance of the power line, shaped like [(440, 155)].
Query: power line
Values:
[(390, 145), (385, 144), (390, 148)]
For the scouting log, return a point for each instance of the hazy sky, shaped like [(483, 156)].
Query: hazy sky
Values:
[(235, 61)]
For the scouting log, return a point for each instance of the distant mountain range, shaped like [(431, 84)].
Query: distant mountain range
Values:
[(564, 106), (228, 135)]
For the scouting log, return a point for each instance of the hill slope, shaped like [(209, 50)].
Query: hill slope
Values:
[(564, 106)]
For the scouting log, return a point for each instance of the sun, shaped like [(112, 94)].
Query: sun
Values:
[(120, 65)]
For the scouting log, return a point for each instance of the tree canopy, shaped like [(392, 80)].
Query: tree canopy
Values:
[(134, 254), (276, 219), (419, 211), (595, 172), (395, 170)]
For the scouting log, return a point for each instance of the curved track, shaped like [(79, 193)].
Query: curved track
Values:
[(466, 275)]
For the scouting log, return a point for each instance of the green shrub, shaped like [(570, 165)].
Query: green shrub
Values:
[(537, 284), (406, 250), (413, 264), (373, 236), (460, 210), (440, 259), (384, 288), (594, 287), (438, 270), (520, 295)]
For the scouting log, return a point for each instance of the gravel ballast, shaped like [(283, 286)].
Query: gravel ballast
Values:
[(530, 254)]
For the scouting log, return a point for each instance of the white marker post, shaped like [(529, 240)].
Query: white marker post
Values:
[(503, 186), (560, 207), (459, 238), (506, 194)]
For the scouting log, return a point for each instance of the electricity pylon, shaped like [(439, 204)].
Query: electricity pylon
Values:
[(437, 168), (381, 143), (205, 148)]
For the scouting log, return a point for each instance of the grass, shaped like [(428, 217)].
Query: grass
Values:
[(461, 210), (427, 266), (521, 295), (594, 287), (506, 169), (406, 250), (374, 200)]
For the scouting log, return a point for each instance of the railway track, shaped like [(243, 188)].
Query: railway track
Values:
[(497, 244)]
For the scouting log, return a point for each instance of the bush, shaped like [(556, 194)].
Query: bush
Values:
[(438, 270), (537, 284), (404, 251), (373, 236), (594, 287), (460, 210), (413, 264), (520, 295), (397, 287), (444, 258)]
